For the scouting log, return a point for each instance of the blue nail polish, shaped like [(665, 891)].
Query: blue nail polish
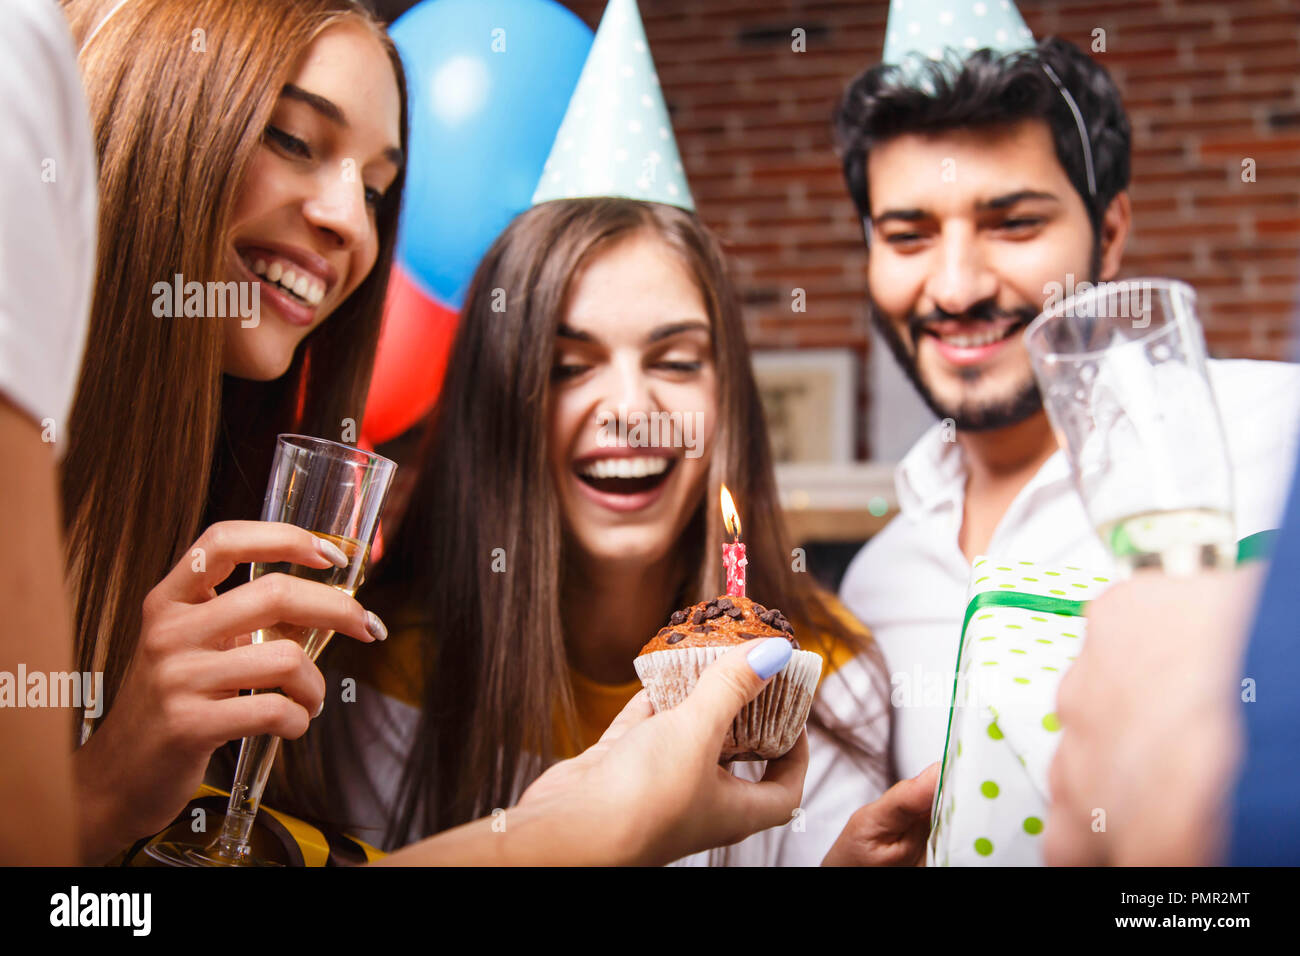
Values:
[(770, 656)]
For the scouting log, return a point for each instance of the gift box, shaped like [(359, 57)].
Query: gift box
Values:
[(1023, 628)]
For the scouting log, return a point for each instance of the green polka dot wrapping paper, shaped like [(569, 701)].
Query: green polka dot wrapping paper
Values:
[(1023, 628)]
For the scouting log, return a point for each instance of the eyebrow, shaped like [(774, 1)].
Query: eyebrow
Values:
[(998, 202), (903, 215), (676, 328), (567, 332), (330, 110), (1010, 199), (656, 335)]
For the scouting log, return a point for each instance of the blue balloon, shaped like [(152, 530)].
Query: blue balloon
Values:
[(488, 83)]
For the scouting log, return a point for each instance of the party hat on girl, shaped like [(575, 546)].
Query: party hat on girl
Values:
[(616, 138)]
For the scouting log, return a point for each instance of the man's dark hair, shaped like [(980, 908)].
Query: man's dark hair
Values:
[(989, 89)]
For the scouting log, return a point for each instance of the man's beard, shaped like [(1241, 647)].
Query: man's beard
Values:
[(968, 416)]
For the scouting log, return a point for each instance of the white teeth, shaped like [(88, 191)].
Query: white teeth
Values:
[(625, 467), (302, 284), (973, 341)]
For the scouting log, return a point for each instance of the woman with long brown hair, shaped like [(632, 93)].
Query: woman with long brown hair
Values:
[(532, 561), (251, 142)]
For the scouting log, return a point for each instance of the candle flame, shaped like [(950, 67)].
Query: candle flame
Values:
[(730, 517)]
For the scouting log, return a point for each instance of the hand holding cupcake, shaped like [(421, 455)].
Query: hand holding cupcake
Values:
[(671, 663)]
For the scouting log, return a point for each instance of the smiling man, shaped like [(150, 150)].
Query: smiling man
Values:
[(984, 179)]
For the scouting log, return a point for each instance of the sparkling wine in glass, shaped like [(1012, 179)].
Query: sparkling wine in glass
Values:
[(336, 492), (1121, 368)]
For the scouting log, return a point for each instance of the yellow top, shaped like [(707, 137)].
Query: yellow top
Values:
[(597, 706)]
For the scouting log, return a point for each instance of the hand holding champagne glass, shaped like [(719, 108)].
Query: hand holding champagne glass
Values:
[(336, 492), (1121, 368)]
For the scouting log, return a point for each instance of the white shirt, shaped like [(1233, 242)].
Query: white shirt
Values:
[(48, 190), (909, 583), (836, 784)]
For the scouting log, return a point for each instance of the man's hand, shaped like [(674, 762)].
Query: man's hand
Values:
[(892, 830), (1150, 734)]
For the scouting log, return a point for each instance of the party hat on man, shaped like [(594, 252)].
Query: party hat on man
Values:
[(616, 138), (920, 30)]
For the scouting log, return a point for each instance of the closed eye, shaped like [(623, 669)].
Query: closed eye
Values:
[(1023, 222), (679, 366), (288, 142), (904, 239), (565, 371)]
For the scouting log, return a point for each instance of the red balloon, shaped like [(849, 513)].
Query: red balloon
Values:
[(412, 358)]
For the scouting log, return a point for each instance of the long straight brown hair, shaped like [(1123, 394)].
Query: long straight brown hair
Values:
[(495, 667), (161, 444)]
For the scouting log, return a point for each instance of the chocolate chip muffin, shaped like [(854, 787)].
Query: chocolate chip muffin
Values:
[(671, 663), (721, 622)]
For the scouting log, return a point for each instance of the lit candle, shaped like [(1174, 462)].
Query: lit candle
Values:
[(733, 553)]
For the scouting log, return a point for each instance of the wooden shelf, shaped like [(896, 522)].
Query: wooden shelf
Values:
[(806, 525), (835, 501)]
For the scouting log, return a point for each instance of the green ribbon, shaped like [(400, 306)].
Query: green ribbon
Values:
[(1257, 547)]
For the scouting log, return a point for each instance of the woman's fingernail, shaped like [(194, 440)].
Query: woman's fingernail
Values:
[(375, 626), (332, 553), (770, 656), (319, 710)]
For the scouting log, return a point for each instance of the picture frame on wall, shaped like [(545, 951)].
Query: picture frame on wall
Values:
[(809, 398)]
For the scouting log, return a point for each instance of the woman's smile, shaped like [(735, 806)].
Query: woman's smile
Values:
[(624, 479)]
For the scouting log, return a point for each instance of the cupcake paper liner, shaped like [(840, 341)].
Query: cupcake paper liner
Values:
[(767, 727)]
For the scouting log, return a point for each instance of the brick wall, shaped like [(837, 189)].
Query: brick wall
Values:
[(1207, 84)]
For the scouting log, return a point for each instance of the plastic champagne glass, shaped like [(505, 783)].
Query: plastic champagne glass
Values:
[(1122, 370), (336, 492)]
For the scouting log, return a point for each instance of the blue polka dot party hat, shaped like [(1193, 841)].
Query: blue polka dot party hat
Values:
[(918, 31), (616, 138)]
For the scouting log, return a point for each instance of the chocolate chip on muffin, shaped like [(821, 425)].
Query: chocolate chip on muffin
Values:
[(720, 621)]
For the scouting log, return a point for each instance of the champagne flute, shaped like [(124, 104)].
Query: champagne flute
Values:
[(1121, 368), (336, 492)]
